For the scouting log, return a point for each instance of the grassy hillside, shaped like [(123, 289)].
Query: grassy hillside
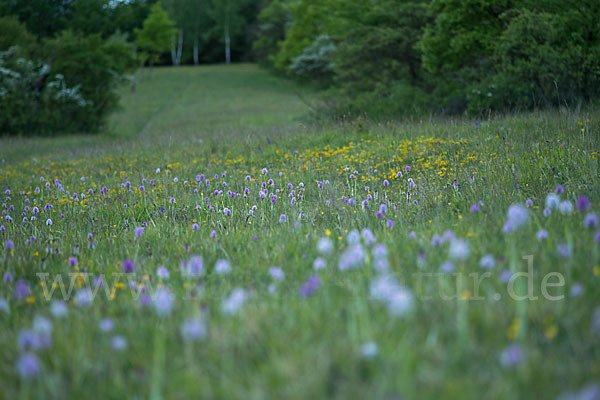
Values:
[(216, 248), (171, 105)]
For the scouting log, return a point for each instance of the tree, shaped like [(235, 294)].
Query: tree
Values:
[(191, 17), (227, 19), (155, 36)]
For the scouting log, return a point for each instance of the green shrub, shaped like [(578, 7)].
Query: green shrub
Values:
[(316, 61), (67, 87), (32, 102)]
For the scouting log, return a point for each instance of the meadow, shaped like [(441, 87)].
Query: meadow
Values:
[(215, 243)]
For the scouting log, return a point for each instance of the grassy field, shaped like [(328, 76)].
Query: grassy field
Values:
[(211, 245)]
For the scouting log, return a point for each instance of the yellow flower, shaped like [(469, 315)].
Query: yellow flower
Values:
[(328, 232), (513, 329), (551, 332)]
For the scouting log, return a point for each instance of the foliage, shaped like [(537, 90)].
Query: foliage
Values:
[(73, 91), (14, 33), (316, 61), (273, 22), (32, 103), (156, 34)]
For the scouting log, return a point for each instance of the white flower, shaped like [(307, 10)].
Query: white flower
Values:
[(565, 207), (369, 350), (193, 329), (222, 266), (58, 309), (352, 258), (459, 249), (487, 261), (517, 215), (353, 237), (552, 200), (234, 301), (319, 263), (163, 301), (325, 245)]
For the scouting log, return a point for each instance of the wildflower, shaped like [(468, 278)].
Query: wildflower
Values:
[(583, 203), (282, 218), (118, 343), (368, 350), (163, 301), (58, 309), (138, 232), (106, 325), (213, 234), (28, 366), (588, 392), (487, 262), (368, 236), (407, 168), (474, 208), (511, 355), (546, 213), (83, 298), (389, 223), (319, 263), (398, 299), (193, 268), (4, 306), (49, 222), (459, 249), (565, 207), (73, 262), (505, 276), (576, 290), (552, 201), (564, 250), (325, 245), (276, 273), (195, 226), (226, 211), (193, 329), (528, 203), (9, 245), (222, 266), (447, 267), (22, 290), (560, 189), (352, 258), (234, 301), (590, 221), (381, 264), (310, 286), (353, 237), (436, 241), (542, 234), (128, 266), (517, 215)]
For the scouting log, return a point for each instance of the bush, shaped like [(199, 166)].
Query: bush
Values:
[(31, 103), (72, 90), (316, 61)]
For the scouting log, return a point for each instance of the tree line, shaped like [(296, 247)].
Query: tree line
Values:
[(399, 57), (62, 60)]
